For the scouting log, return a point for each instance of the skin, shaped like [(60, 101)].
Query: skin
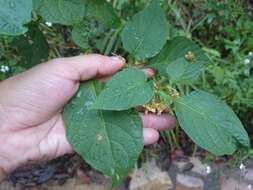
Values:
[(31, 123)]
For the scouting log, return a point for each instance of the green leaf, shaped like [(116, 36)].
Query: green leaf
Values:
[(104, 13), (146, 34), (13, 15), (171, 62), (60, 11), (166, 98), (218, 73), (210, 123), (33, 47), (109, 141), (182, 71), (80, 35), (85, 33), (128, 88)]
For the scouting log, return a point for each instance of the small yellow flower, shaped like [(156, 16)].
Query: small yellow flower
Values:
[(189, 56), (155, 107)]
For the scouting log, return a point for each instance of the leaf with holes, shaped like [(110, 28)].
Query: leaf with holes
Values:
[(109, 141), (145, 35), (60, 11), (128, 88), (13, 15), (210, 123)]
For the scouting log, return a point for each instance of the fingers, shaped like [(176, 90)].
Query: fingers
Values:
[(148, 72), (86, 67), (158, 122), (150, 136), (54, 143), (153, 123), (90, 66)]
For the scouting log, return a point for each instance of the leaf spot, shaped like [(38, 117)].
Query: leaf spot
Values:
[(99, 137), (189, 56)]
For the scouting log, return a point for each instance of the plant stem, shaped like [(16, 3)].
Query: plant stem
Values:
[(111, 43)]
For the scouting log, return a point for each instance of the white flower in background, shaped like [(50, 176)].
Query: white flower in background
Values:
[(242, 166), (49, 24), (249, 186), (246, 61), (250, 53), (208, 169), (4, 69)]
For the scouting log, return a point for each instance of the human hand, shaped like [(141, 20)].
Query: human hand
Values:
[(31, 123)]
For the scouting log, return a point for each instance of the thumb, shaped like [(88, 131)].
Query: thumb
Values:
[(86, 67)]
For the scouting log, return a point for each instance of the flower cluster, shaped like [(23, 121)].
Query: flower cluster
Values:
[(247, 62), (248, 58), (4, 69), (49, 24)]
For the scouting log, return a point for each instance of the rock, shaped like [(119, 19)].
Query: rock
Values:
[(249, 175), (184, 166), (194, 165), (189, 182), (198, 167), (187, 167), (150, 177), (231, 183), (182, 187)]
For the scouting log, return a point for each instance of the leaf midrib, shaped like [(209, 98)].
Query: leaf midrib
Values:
[(104, 125)]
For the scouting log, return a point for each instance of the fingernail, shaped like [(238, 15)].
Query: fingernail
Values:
[(118, 59), (149, 72)]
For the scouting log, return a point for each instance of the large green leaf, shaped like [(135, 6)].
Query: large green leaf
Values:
[(146, 34), (210, 123), (67, 12), (127, 89), (182, 71), (104, 13), (174, 53), (13, 15), (33, 47), (80, 34), (109, 141)]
